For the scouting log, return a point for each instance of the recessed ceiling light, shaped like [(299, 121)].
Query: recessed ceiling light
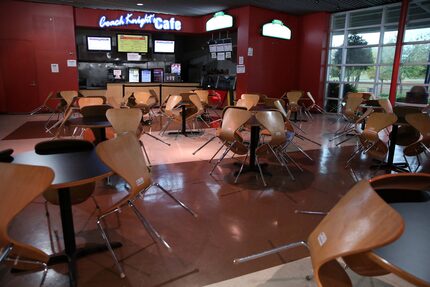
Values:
[(139, 4)]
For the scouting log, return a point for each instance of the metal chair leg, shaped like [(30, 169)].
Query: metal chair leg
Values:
[(154, 137), (177, 200), (241, 168), (270, 252), (154, 234), (206, 143), (261, 172), (105, 238), (217, 152), (144, 151), (221, 158), (310, 212)]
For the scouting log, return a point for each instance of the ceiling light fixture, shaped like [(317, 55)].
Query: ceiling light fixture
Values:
[(276, 29), (219, 21), (139, 4)]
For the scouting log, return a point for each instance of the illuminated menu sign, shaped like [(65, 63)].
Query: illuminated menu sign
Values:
[(151, 19)]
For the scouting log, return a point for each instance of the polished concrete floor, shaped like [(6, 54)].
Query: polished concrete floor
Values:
[(234, 219)]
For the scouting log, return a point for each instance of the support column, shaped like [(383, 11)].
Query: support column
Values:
[(398, 52)]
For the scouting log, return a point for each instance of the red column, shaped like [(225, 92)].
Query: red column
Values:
[(398, 52)]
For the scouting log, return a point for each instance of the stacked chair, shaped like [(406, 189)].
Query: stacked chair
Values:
[(370, 140), (351, 114), (293, 101), (291, 131), (174, 114), (123, 156), (312, 106)]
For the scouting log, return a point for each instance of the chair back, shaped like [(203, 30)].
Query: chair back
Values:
[(203, 95), (420, 122), (195, 99), (311, 98), (172, 102), (359, 222), (123, 155), (363, 96), (386, 105), (91, 101), (142, 98), (68, 96), (375, 123), (274, 123), (19, 186), (62, 146), (352, 104), (403, 181), (244, 104), (293, 97), (250, 99), (95, 111), (233, 119), (125, 120), (50, 95)]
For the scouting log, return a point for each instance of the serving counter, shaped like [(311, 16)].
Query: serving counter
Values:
[(118, 91)]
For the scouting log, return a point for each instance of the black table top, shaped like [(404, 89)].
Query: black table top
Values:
[(411, 252), (71, 169), (93, 122)]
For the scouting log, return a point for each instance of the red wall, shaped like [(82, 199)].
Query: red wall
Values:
[(313, 54), (275, 67), (50, 29)]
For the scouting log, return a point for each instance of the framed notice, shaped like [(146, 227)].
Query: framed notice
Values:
[(220, 56)]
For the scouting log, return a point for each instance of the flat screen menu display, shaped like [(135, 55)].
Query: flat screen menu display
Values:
[(163, 46), (132, 43), (98, 43)]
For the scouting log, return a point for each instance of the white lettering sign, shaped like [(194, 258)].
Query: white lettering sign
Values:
[(158, 22)]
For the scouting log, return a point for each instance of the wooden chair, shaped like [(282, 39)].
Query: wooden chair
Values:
[(144, 101), (65, 108), (273, 122), (392, 188), (217, 132), (129, 120), (421, 122), (229, 134), (370, 141), (336, 235), (123, 156), (204, 99), (386, 105), (251, 100), (313, 105), (351, 114), (293, 101), (171, 111), (291, 133), (19, 186), (78, 194)]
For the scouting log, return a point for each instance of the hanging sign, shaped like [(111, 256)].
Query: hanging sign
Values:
[(152, 19)]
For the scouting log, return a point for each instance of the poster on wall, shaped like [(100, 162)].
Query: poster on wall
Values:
[(240, 69), (228, 55)]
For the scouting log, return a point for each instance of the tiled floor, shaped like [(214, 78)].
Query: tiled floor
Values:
[(234, 219)]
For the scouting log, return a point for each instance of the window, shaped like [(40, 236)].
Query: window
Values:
[(362, 47)]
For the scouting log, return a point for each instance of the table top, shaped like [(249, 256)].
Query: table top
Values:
[(71, 169), (93, 122), (410, 254)]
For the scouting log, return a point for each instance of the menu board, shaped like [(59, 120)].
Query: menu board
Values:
[(132, 43)]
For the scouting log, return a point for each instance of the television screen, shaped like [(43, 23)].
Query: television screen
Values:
[(133, 75), (145, 76), (176, 69), (98, 43), (132, 43), (164, 46)]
